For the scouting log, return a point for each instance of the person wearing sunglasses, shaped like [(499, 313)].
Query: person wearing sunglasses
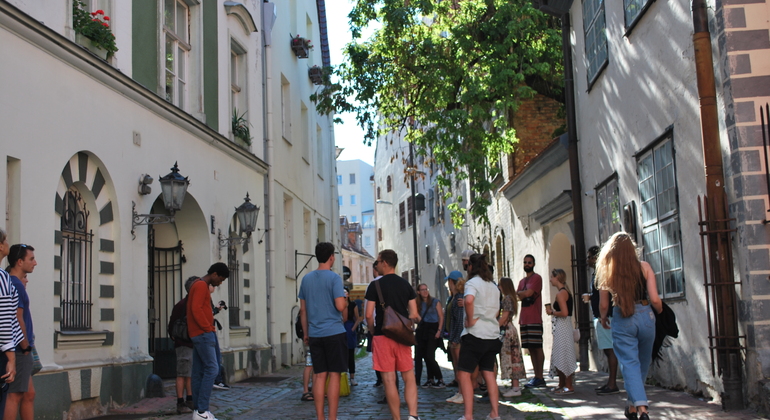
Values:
[(10, 330)]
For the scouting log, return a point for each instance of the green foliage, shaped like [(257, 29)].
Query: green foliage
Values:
[(240, 127), (449, 75), (94, 26)]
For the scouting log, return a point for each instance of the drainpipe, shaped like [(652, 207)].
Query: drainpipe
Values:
[(728, 345), (413, 167), (577, 201), (270, 187)]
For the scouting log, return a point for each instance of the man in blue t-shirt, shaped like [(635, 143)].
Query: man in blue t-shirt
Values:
[(21, 392), (322, 313)]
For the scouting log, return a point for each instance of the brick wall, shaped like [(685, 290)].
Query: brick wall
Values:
[(535, 123)]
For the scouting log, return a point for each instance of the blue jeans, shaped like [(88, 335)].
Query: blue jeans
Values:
[(632, 339), (220, 379), (205, 368)]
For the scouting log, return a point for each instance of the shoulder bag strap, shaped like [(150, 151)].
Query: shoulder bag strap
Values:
[(379, 293)]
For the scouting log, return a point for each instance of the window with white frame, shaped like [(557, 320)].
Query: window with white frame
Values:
[(238, 79), (594, 29), (176, 25), (339, 200), (608, 208), (353, 219), (661, 236)]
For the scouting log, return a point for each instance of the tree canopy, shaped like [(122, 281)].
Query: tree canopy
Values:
[(449, 75)]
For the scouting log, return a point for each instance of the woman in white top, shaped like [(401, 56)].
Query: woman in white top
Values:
[(481, 336)]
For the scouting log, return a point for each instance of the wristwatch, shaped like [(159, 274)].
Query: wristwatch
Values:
[(27, 350)]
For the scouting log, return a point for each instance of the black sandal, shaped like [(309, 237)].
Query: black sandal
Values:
[(629, 415), (308, 396)]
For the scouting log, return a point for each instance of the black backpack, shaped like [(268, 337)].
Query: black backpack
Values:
[(178, 330), (298, 327)]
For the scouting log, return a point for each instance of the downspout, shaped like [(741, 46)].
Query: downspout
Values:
[(268, 10), (728, 345), (584, 324)]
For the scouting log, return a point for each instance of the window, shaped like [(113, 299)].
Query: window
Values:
[(378, 193), (285, 109), (608, 208), (76, 256), (379, 234), (177, 48), (431, 219), (352, 179), (389, 184), (353, 219), (633, 10), (353, 200), (339, 200), (405, 275), (660, 217), (367, 241), (237, 79), (452, 243), (409, 206), (402, 216), (594, 25), (368, 221), (339, 179)]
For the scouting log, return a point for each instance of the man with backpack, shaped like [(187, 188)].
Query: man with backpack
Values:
[(184, 351)]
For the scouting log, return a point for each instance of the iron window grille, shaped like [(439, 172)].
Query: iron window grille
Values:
[(76, 271)]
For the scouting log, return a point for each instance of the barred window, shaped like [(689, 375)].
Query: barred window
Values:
[(76, 273)]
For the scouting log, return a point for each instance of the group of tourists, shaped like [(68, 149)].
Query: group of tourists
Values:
[(478, 324)]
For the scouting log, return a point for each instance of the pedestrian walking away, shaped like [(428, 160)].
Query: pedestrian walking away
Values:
[(481, 336), (323, 312), (634, 291), (388, 355), (563, 359), (351, 325), (531, 319), (200, 326), (455, 323), (21, 392)]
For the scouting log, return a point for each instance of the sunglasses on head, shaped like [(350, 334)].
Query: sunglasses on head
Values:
[(18, 251)]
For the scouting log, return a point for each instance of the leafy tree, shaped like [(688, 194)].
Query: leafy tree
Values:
[(449, 75)]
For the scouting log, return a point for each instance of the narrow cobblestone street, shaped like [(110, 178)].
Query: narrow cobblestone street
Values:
[(281, 400)]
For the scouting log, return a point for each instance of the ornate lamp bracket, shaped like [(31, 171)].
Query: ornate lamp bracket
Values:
[(147, 219)]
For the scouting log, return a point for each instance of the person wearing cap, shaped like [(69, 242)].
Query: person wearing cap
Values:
[(184, 351)]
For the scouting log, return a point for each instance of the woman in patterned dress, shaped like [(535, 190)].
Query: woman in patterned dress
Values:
[(511, 362), (563, 359)]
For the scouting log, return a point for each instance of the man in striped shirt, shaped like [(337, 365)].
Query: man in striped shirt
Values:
[(10, 330)]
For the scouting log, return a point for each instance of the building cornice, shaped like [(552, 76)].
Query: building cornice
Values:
[(64, 49), (554, 209), (546, 161)]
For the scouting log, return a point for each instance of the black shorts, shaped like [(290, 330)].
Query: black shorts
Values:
[(531, 336), (475, 351), (330, 354)]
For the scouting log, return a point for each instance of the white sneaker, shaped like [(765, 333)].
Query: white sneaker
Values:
[(513, 392), (205, 416), (456, 398), (353, 382)]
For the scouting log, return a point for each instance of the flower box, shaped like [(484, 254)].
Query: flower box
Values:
[(87, 44), (301, 46), (315, 74)]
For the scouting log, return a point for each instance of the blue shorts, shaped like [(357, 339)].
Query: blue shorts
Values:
[(603, 336)]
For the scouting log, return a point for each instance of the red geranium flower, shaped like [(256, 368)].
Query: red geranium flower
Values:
[(105, 25), (93, 13), (106, 18), (100, 12)]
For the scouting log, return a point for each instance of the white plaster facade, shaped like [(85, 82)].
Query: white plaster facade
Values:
[(72, 121)]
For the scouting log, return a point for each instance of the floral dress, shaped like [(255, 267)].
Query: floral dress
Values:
[(511, 362)]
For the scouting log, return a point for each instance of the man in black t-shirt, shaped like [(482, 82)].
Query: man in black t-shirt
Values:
[(388, 355)]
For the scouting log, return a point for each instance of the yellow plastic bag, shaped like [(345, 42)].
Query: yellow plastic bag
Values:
[(344, 385)]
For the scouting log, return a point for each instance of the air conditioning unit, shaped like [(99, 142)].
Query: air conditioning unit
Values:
[(553, 7)]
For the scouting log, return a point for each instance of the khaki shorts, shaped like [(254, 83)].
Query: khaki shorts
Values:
[(23, 373), (184, 361)]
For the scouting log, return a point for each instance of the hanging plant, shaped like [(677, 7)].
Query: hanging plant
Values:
[(95, 26), (240, 127)]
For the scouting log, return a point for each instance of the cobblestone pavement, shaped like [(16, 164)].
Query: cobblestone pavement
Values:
[(281, 400)]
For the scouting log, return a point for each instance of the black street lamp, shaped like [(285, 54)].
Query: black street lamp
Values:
[(173, 189), (247, 214)]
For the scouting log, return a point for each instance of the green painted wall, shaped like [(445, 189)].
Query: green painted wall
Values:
[(54, 388), (210, 65), (145, 54)]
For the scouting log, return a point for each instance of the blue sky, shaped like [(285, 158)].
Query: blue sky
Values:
[(348, 135)]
